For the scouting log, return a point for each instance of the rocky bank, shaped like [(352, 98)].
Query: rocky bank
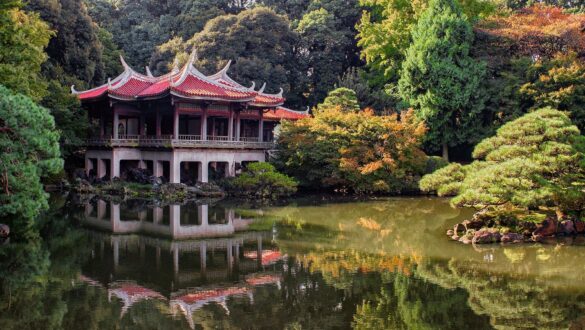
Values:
[(484, 228)]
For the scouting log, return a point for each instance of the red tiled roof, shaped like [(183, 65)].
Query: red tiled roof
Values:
[(283, 113), (158, 88), (267, 100), (130, 88), (187, 83), (93, 93), (268, 256), (194, 86), (194, 297)]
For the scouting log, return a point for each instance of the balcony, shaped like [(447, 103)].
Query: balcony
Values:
[(184, 141)]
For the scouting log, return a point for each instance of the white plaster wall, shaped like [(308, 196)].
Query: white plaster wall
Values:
[(175, 158)]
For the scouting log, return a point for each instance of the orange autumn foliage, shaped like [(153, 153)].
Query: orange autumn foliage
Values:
[(534, 31), (356, 151)]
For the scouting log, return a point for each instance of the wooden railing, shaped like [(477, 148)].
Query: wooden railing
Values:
[(184, 141)]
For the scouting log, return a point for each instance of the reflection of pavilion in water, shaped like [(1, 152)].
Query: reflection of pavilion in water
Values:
[(187, 275), (175, 221)]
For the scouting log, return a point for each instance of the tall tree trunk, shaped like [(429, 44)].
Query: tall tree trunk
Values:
[(445, 152)]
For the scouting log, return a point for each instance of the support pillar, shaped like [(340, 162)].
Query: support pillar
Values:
[(175, 171), (227, 170), (203, 258), (231, 126), (142, 164), (238, 124), (101, 209), (101, 168), (116, 123), (203, 215), (115, 167), (116, 250), (88, 166), (204, 124), (176, 124), (157, 168), (157, 215), (202, 175), (260, 129), (176, 260)]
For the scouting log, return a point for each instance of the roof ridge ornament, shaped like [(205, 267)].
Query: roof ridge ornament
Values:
[(251, 88), (124, 64), (109, 83), (262, 88), (193, 56), (73, 91), (175, 66), (226, 68), (148, 73), (280, 92)]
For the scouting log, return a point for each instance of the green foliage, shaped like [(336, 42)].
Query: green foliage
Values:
[(558, 83), (439, 79), (75, 52), (260, 42), (262, 181), (535, 160), (344, 98), (111, 54), (353, 151), (30, 151), (368, 95), (70, 118), (384, 31), (567, 4), (23, 38), (139, 26), (321, 50)]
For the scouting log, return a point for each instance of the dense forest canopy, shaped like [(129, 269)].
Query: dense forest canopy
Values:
[(510, 57)]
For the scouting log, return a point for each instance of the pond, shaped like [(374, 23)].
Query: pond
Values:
[(314, 263)]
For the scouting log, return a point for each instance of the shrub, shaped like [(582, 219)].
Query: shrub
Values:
[(261, 180), (534, 161)]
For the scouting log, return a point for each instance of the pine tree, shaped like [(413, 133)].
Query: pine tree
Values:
[(342, 97), (439, 79), (29, 145), (536, 160)]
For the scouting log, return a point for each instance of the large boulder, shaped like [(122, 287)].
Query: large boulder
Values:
[(567, 227), (548, 227), (474, 224), (459, 228), (485, 236), (512, 238), (4, 230), (579, 226)]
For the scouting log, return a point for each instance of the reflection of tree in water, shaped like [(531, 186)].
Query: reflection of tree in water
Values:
[(396, 226), (33, 287), (510, 301), (411, 303)]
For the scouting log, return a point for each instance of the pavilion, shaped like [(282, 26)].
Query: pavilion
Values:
[(184, 125)]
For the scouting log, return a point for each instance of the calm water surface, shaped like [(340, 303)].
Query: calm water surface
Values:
[(311, 264)]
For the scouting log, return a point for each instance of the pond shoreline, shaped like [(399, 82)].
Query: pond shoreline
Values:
[(485, 228)]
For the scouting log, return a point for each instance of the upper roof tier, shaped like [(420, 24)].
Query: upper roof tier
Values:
[(188, 83)]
